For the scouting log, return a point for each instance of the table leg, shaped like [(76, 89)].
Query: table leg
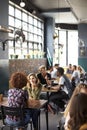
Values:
[(46, 112)]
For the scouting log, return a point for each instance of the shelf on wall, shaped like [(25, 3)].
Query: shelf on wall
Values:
[(5, 29)]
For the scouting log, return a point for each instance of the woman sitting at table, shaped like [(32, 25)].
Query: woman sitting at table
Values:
[(18, 97), (33, 88)]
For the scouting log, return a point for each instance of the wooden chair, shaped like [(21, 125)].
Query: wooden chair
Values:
[(12, 111)]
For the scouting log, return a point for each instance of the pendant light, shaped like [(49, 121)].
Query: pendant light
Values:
[(22, 3)]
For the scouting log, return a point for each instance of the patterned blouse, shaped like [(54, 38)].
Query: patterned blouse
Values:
[(17, 98)]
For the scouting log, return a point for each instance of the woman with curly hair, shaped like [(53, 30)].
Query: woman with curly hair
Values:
[(17, 97)]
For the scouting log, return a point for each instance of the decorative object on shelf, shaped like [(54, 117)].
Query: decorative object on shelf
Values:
[(82, 48), (16, 56), (55, 35), (22, 3), (19, 36), (5, 29)]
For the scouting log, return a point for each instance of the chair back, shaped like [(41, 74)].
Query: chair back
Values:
[(12, 111)]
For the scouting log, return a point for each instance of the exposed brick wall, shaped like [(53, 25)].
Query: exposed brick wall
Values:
[(26, 65)]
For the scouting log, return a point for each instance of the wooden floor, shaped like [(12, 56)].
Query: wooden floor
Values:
[(53, 121)]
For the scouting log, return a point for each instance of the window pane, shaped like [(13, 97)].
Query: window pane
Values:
[(24, 45), (35, 30), (35, 38), (24, 15), (30, 19), (25, 33), (11, 10), (62, 51), (73, 43), (18, 13), (31, 37), (39, 24), (24, 26), (30, 28), (24, 51), (30, 45), (17, 23), (18, 51), (35, 22), (35, 46), (11, 51), (11, 21)]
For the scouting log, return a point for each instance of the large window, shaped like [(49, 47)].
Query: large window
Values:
[(66, 47), (33, 29)]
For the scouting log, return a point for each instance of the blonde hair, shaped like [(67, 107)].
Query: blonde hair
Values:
[(42, 67), (34, 75)]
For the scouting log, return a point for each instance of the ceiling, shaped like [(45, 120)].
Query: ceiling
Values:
[(63, 11)]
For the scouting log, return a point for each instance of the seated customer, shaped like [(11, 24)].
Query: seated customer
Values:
[(78, 112), (43, 75), (44, 78), (81, 88), (18, 97), (69, 69), (64, 90), (33, 87)]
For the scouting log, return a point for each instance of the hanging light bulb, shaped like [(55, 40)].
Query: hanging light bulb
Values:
[(22, 3)]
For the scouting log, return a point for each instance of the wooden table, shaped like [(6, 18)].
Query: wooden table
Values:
[(32, 104), (48, 91)]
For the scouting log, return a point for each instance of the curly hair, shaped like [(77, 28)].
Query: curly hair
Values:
[(18, 80)]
